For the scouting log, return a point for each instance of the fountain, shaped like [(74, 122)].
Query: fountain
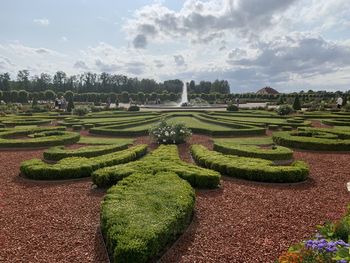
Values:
[(184, 98)]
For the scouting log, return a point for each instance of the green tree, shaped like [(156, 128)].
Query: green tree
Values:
[(141, 97), (69, 95), (70, 105), (296, 103), (23, 79), (14, 96), (23, 96), (125, 97), (35, 101), (5, 82), (50, 95)]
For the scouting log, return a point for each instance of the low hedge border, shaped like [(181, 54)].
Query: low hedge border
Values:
[(289, 139), (253, 151), (77, 127), (77, 167), (164, 159), (337, 122), (249, 168), (145, 213), (23, 122), (59, 152), (41, 137)]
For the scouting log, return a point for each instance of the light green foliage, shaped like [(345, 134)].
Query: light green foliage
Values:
[(143, 213), (59, 152), (163, 159), (76, 167), (254, 169), (101, 140)]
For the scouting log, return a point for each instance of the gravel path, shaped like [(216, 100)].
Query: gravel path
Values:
[(242, 222), (250, 222), (47, 222)]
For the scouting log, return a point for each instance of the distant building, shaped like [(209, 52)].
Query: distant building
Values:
[(267, 90)]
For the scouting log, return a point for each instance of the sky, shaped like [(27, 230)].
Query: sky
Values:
[(290, 45)]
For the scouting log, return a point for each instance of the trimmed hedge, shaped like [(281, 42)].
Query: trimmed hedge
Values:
[(253, 151), (59, 152), (249, 168), (143, 214), (23, 122), (314, 139), (37, 137), (77, 167), (340, 122), (77, 127), (273, 127), (163, 159), (287, 128)]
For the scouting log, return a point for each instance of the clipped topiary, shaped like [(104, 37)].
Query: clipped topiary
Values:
[(296, 103)]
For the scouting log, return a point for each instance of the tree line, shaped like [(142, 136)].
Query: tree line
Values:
[(104, 83)]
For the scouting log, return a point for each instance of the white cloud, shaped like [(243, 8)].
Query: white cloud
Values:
[(42, 21), (64, 39)]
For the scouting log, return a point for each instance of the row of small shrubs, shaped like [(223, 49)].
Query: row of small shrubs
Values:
[(23, 122), (59, 152), (145, 213), (249, 168), (76, 167), (338, 122), (314, 139), (253, 151), (164, 159), (37, 137)]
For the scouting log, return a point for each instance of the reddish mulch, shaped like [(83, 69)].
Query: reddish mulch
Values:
[(241, 222), (252, 222), (47, 222), (319, 124), (184, 148)]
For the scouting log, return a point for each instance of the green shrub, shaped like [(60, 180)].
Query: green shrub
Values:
[(253, 151), (287, 128), (249, 168), (144, 214), (88, 126), (296, 103), (37, 137), (284, 110), (70, 106), (59, 152), (232, 107), (81, 111), (314, 139), (134, 108), (164, 159), (273, 127), (77, 127), (165, 133), (76, 167)]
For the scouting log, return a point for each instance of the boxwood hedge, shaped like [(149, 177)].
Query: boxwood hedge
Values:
[(163, 159), (143, 214), (254, 169), (59, 152), (270, 153), (76, 167), (37, 137), (314, 139)]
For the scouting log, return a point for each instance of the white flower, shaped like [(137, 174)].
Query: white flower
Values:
[(166, 133), (164, 140)]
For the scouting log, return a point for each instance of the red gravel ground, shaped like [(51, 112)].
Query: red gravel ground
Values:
[(47, 222), (242, 222)]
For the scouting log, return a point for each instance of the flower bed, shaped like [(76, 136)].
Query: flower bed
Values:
[(163, 159), (76, 167), (249, 168), (143, 214)]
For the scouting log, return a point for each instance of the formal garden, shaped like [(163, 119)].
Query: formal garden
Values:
[(175, 185)]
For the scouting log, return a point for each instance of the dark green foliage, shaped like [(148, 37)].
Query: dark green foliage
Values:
[(164, 159), (143, 214), (23, 96), (249, 168), (60, 137), (296, 103), (134, 108), (76, 167), (284, 110), (253, 151), (70, 105), (314, 139), (232, 107), (273, 127), (81, 111), (34, 102), (59, 152), (77, 127)]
